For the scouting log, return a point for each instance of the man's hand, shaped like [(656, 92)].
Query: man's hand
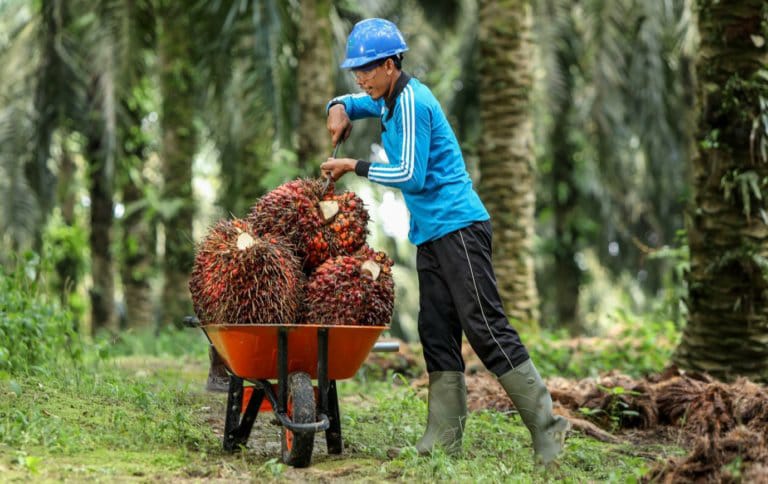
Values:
[(339, 125), (337, 167)]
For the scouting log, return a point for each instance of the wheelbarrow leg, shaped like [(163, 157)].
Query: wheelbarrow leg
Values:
[(333, 434), (234, 403), (329, 402), (237, 428)]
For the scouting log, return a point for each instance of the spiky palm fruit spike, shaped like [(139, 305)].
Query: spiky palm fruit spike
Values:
[(346, 290), (293, 211), (349, 228), (240, 278)]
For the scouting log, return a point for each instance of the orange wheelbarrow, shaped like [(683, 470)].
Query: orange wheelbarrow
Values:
[(293, 355)]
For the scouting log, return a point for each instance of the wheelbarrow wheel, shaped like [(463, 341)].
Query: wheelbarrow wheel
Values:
[(297, 446)]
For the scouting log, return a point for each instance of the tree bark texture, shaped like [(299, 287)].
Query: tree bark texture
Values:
[(314, 84), (567, 276), (178, 150), (48, 89), (564, 189), (101, 148), (506, 151), (103, 315), (138, 243), (138, 227), (727, 330)]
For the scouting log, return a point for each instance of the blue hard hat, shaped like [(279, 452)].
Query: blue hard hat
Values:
[(372, 39)]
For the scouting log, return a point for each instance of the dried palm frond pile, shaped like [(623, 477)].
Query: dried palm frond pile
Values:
[(726, 423), (299, 257)]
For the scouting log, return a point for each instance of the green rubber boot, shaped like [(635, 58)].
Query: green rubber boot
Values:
[(534, 403), (447, 413)]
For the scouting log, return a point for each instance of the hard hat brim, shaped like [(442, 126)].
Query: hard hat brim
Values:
[(355, 62)]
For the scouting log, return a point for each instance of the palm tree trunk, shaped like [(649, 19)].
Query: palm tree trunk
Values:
[(314, 84), (178, 150), (101, 149), (506, 156), (284, 72), (103, 315), (566, 277), (138, 241), (40, 177), (727, 326), (137, 264)]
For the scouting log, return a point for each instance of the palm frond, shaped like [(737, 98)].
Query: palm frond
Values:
[(19, 207)]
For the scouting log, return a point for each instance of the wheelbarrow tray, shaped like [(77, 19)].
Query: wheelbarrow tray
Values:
[(251, 350)]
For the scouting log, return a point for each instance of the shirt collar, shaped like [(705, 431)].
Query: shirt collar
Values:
[(400, 84)]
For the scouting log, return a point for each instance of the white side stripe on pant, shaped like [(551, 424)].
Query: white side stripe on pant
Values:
[(480, 303)]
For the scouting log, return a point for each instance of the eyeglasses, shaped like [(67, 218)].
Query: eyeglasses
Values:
[(364, 75), (367, 71)]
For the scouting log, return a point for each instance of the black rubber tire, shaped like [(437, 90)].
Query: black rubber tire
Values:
[(297, 446)]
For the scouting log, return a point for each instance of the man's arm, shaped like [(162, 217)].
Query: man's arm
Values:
[(409, 173), (343, 110), (357, 106)]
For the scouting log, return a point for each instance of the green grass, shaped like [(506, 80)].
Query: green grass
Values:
[(132, 409), (497, 446), (146, 418), (636, 347), (137, 417)]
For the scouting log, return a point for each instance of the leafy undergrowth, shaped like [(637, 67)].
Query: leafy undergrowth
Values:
[(144, 417)]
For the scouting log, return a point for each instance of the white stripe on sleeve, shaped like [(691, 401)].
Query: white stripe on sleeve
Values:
[(403, 172)]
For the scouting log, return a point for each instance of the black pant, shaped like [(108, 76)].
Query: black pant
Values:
[(458, 292)]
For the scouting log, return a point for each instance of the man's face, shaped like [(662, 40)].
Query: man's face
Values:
[(374, 81)]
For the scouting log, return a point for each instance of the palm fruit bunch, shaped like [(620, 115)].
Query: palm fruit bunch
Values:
[(241, 278), (317, 222), (353, 289)]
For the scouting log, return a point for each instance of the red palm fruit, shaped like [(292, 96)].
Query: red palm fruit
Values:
[(240, 278), (297, 211), (349, 227), (351, 290)]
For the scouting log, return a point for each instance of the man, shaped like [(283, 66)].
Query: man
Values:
[(452, 231)]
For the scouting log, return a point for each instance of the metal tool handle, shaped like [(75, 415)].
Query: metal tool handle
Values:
[(191, 322), (328, 176), (386, 347)]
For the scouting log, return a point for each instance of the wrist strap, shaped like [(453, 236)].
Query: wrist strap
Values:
[(362, 167)]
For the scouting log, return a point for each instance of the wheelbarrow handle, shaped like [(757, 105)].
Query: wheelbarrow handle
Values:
[(386, 347), (191, 322)]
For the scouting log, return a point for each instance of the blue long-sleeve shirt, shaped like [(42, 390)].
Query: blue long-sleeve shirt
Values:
[(425, 159)]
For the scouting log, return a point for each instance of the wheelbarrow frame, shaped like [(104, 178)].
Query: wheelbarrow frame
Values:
[(239, 423), (237, 427)]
